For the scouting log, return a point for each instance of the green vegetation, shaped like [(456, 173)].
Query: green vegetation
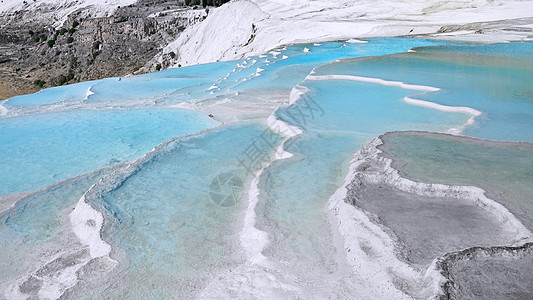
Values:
[(158, 67), (95, 54), (70, 39), (43, 38), (70, 75), (73, 62), (75, 24), (39, 82), (62, 80), (31, 32), (51, 43), (172, 55), (71, 31), (62, 31)]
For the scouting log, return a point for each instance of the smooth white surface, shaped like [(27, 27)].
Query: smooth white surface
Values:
[(253, 27)]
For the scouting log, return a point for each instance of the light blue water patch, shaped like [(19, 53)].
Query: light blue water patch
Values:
[(37, 226), (515, 50), (337, 118), (157, 85), (277, 72), (138, 89), (287, 67), (364, 109), (113, 90), (167, 228), (204, 71), (492, 81), (173, 86), (167, 216), (73, 92), (286, 73), (38, 150)]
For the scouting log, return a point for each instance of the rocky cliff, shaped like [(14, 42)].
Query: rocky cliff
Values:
[(88, 43)]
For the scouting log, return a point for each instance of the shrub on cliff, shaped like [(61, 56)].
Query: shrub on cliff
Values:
[(39, 82), (62, 80)]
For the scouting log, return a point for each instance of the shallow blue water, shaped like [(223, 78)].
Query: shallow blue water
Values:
[(71, 143), (52, 95), (41, 149), (37, 226), (169, 232), (492, 79), (337, 116), (166, 219)]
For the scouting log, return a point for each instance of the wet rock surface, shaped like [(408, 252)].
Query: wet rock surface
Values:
[(491, 273), (467, 247), (31, 286), (429, 227)]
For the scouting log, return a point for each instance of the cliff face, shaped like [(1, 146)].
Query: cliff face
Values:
[(37, 53)]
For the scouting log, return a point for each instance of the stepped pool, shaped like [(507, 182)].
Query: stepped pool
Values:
[(216, 180)]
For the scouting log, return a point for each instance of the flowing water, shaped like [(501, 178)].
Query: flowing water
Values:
[(196, 205)]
